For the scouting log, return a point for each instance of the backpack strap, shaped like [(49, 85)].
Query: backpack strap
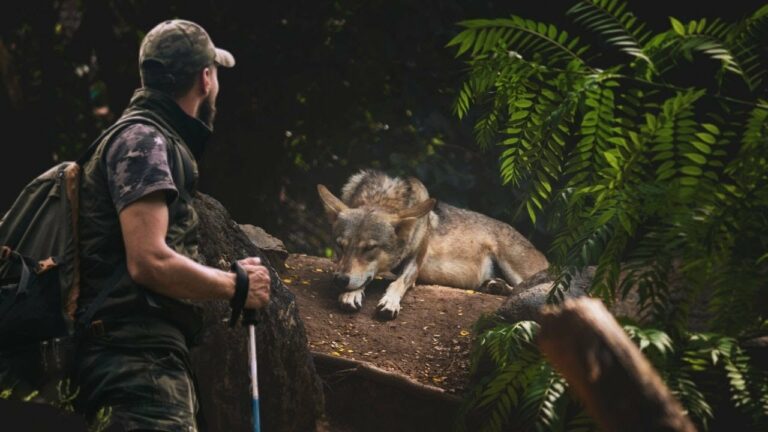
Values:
[(23, 280), (112, 282)]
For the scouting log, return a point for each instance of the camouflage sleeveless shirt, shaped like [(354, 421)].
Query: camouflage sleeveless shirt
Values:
[(155, 153)]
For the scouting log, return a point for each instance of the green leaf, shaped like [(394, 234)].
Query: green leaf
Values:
[(663, 175), (699, 159), (612, 160), (523, 103), (700, 146), (707, 138), (691, 170), (689, 181), (677, 26), (711, 128), (531, 211), (519, 114), (606, 216), (625, 222), (619, 141)]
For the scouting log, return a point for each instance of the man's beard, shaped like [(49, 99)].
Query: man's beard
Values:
[(206, 113)]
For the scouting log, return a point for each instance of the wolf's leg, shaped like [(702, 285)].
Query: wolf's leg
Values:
[(517, 258), (510, 275), (389, 305), (352, 300)]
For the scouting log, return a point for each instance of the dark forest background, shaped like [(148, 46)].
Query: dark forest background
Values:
[(321, 89)]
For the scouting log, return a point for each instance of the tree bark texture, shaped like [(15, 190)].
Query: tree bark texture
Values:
[(615, 382)]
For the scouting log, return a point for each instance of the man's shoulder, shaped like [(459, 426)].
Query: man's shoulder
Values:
[(138, 132), (136, 137)]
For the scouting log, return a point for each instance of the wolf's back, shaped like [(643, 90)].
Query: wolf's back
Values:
[(376, 189)]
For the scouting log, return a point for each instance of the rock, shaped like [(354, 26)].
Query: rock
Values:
[(525, 305), (273, 247), (290, 390), (529, 295), (757, 349), (527, 298)]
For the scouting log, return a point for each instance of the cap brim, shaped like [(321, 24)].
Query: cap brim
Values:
[(224, 58)]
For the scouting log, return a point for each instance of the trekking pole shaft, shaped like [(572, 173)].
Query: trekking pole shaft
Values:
[(254, 378)]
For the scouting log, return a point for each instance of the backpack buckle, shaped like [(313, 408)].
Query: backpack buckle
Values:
[(97, 328), (46, 264)]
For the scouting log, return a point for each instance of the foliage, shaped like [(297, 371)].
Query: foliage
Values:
[(638, 168), (523, 392), (102, 420), (66, 396)]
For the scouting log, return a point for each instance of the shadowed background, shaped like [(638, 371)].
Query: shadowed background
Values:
[(321, 89)]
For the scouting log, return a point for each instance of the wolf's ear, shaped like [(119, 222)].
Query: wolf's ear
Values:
[(405, 220), (418, 210), (333, 206)]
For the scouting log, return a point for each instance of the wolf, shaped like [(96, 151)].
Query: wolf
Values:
[(386, 225)]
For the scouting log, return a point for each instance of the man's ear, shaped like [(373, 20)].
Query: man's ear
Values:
[(333, 206), (206, 80)]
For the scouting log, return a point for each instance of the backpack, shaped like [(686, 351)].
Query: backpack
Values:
[(39, 259)]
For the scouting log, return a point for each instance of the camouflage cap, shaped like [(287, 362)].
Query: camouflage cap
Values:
[(180, 47)]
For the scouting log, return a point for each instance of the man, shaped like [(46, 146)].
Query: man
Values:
[(138, 240)]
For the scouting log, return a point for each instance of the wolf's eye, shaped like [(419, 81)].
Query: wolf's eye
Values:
[(370, 247)]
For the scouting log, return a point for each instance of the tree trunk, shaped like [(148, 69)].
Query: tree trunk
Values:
[(290, 390), (616, 383)]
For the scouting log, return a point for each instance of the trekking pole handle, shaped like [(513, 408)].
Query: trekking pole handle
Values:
[(249, 317), (237, 303)]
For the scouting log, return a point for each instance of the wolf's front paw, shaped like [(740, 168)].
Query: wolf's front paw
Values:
[(351, 300), (389, 306)]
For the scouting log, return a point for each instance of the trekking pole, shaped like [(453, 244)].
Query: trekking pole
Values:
[(249, 319)]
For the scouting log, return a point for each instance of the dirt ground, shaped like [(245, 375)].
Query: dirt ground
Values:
[(429, 341)]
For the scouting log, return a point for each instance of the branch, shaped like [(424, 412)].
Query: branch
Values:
[(618, 386)]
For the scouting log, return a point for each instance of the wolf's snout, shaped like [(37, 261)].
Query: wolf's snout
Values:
[(340, 281)]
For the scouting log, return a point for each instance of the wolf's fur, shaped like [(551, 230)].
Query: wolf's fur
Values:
[(383, 224)]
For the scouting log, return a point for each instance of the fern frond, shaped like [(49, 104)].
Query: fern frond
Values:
[(747, 39), (610, 19), (516, 36)]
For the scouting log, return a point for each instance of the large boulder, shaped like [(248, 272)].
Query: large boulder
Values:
[(271, 246), (290, 391)]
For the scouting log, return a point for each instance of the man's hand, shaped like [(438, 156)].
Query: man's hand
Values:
[(258, 283)]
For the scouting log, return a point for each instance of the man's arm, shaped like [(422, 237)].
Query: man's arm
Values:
[(153, 264)]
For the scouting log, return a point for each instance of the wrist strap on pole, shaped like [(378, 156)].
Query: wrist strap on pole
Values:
[(241, 293)]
